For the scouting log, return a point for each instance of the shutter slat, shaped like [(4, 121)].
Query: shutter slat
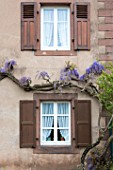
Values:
[(27, 124), (83, 123), (82, 26), (28, 11), (82, 11), (28, 26)]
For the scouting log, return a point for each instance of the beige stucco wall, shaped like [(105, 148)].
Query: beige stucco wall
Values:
[(11, 156)]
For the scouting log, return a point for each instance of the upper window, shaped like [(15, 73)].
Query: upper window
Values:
[(55, 123), (55, 28), (58, 28)]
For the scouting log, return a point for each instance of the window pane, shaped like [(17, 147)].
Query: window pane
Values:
[(48, 15), (47, 121), (63, 108), (48, 135), (63, 121), (63, 134), (47, 108), (48, 25), (62, 15), (62, 31)]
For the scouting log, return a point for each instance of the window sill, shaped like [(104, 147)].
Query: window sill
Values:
[(56, 150), (55, 53)]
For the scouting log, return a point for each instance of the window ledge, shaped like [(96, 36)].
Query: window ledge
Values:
[(55, 53), (56, 150)]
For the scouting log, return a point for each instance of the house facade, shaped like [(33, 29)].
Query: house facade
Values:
[(50, 129)]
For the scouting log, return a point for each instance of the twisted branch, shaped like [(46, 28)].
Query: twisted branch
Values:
[(89, 88), (88, 148)]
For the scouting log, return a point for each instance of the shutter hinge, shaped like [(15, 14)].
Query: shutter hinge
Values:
[(33, 146), (37, 107), (72, 12)]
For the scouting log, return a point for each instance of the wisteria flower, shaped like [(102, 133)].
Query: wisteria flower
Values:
[(2, 70), (89, 70), (43, 75), (68, 71), (95, 68), (75, 73), (82, 78), (25, 81), (9, 65)]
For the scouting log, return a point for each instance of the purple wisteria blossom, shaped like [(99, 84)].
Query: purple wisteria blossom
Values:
[(67, 72), (65, 76), (89, 70), (90, 163), (2, 70), (25, 81), (43, 75), (75, 73), (82, 78), (8, 66), (95, 68)]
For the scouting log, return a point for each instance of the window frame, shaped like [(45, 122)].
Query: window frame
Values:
[(64, 3), (70, 97), (55, 128), (55, 23), (80, 119)]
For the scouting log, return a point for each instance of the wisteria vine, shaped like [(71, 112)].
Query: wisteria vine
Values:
[(67, 75)]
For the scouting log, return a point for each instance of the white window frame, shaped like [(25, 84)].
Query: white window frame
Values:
[(55, 142), (55, 47)]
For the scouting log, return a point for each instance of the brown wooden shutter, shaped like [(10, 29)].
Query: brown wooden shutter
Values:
[(27, 124), (28, 26), (83, 122), (82, 26)]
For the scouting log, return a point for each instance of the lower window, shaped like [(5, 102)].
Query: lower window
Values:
[(55, 123)]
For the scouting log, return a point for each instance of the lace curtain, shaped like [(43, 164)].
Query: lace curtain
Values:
[(62, 27), (48, 27), (47, 121), (63, 120)]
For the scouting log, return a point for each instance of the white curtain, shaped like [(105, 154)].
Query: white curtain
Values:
[(48, 27), (63, 120), (47, 121), (62, 27)]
